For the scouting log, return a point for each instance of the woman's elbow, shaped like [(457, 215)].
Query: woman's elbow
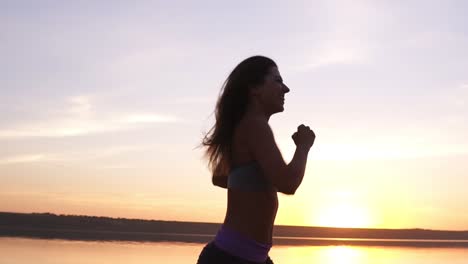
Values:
[(220, 181), (288, 190)]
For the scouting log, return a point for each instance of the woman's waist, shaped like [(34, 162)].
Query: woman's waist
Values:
[(239, 244), (255, 218), (260, 231)]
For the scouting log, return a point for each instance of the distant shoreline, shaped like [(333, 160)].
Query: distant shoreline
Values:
[(82, 235), (89, 228)]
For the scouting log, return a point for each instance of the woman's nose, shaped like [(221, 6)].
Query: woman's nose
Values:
[(286, 88)]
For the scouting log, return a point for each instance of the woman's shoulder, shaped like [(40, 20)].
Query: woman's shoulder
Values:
[(243, 136), (250, 130)]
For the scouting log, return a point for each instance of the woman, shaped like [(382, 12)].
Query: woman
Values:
[(245, 159)]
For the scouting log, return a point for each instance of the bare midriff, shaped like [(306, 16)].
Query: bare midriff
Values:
[(251, 213)]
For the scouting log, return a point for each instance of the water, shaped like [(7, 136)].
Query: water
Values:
[(43, 251)]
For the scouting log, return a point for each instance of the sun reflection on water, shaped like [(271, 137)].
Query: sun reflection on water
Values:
[(341, 255)]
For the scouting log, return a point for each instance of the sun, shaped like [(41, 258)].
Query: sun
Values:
[(344, 214)]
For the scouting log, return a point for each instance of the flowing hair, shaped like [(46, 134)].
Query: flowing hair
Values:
[(230, 108)]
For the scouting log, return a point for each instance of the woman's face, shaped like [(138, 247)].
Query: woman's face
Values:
[(271, 92)]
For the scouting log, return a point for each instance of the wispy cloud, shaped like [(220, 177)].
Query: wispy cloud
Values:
[(344, 38), (387, 151), (22, 159), (80, 106), (461, 96), (341, 54), (195, 100), (79, 118), (147, 118), (88, 154), (455, 105)]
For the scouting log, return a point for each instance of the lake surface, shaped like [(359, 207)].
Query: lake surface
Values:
[(46, 251)]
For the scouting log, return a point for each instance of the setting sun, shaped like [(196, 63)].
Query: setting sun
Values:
[(344, 214)]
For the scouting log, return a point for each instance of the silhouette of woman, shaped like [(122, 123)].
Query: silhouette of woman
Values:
[(244, 158)]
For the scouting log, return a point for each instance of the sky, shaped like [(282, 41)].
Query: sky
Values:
[(103, 105)]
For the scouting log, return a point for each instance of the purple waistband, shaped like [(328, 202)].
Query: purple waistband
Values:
[(241, 246)]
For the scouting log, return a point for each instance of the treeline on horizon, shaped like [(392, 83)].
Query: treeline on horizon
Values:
[(48, 221)]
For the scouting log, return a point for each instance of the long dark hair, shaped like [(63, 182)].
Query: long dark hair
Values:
[(230, 108)]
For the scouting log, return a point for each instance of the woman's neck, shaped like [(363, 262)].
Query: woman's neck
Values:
[(254, 109)]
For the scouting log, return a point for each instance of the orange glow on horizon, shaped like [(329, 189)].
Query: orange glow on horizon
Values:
[(344, 214)]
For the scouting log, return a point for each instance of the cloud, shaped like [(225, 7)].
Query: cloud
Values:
[(23, 159), (336, 55), (80, 105), (79, 118), (461, 96), (346, 35), (209, 99), (455, 111), (387, 151), (147, 118), (91, 154)]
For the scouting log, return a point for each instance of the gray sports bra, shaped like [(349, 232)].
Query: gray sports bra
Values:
[(247, 177)]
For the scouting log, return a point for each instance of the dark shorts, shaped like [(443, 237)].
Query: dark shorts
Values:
[(211, 254)]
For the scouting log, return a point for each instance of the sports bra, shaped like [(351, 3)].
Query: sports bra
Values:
[(247, 177)]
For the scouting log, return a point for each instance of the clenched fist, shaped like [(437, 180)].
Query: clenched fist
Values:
[(304, 136)]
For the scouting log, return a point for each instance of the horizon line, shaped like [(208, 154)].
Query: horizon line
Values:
[(197, 222)]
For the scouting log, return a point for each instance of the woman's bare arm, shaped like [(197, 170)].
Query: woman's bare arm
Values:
[(285, 177)]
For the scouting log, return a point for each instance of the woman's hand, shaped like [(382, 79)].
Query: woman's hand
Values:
[(304, 137)]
